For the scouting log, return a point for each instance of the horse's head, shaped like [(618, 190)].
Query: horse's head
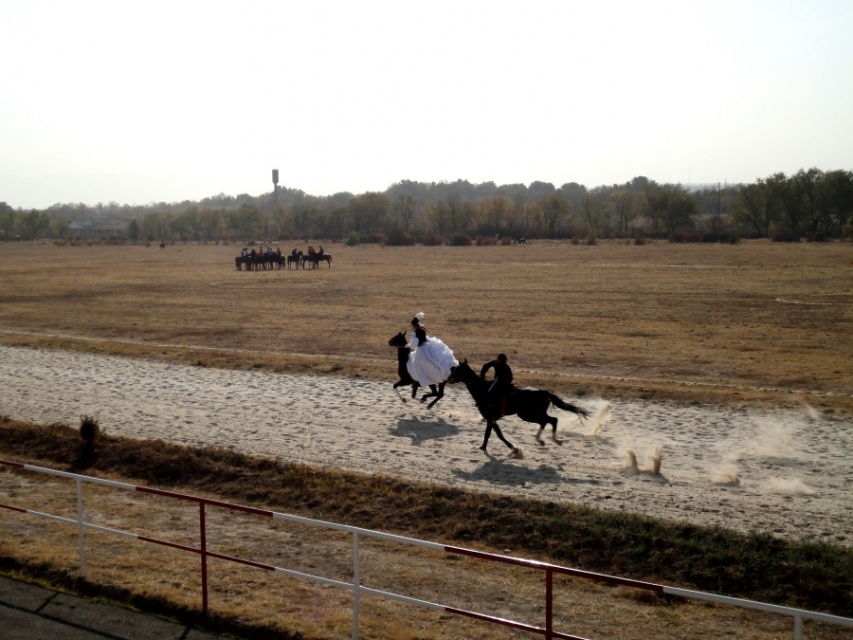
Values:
[(461, 373), (398, 340)]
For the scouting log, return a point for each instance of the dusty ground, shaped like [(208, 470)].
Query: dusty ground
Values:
[(786, 472)]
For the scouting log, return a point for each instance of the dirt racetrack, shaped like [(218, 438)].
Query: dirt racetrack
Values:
[(784, 472)]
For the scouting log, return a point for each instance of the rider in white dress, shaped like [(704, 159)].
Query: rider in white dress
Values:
[(430, 360)]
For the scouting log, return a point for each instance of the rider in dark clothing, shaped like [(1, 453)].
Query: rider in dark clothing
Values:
[(501, 386)]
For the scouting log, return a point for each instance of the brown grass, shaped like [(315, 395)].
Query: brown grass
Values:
[(754, 323), (258, 604)]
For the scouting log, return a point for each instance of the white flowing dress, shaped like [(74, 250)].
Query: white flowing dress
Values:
[(430, 362)]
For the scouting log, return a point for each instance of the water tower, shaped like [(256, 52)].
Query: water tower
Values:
[(275, 188)]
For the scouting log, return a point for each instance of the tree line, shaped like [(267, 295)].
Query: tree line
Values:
[(809, 204)]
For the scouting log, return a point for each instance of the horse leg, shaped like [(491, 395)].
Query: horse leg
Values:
[(554, 437), (516, 452), (433, 393), (489, 426), (397, 384), (438, 394)]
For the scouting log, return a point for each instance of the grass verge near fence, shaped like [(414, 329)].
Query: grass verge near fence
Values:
[(810, 575)]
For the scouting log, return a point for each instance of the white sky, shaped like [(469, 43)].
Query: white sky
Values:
[(141, 102)]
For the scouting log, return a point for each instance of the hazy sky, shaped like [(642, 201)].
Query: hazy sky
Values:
[(141, 102)]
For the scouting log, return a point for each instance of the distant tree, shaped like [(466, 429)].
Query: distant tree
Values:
[(573, 193), (554, 210), (794, 206), (247, 222), (212, 225), (337, 222), (836, 195), (594, 204), (157, 226), (437, 217), (622, 202), (7, 221), (492, 215), (134, 232), (538, 190), (670, 207), (404, 210), (33, 225), (369, 213), (59, 226), (680, 209), (751, 209)]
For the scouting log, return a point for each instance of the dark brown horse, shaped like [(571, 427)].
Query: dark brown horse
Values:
[(406, 379), (315, 259), (531, 405), (294, 260)]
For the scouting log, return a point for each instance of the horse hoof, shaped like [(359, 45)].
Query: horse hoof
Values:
[(516, 453), (559, 442), (482, 447)]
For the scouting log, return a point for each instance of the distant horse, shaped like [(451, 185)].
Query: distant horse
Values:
[(406, 379), (294, 259), (531, 405), (315, 259), (276, 260), (239, 261), (520, 241)]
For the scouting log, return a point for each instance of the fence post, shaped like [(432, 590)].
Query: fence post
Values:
[(549, 603), (81, 529), (798, 627), (203, 545), (356, 584)]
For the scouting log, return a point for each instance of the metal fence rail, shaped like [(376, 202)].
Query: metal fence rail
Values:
[(549, 570)]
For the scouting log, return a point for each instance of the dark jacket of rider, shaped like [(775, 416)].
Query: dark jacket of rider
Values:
[(502, 384)]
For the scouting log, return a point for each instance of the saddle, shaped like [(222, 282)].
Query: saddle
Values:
[(505, 398)]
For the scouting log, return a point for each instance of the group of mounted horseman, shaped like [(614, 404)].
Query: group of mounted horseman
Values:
[(269, 258)]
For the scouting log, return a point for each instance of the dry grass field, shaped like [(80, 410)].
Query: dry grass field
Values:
[(753, 323)]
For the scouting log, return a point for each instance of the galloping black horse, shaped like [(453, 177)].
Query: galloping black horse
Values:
[(531, 405), (406, 379)]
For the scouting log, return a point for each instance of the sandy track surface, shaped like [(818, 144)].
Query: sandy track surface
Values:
[(788, 473)]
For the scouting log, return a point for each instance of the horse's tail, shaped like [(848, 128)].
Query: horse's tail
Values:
[(558, 402)]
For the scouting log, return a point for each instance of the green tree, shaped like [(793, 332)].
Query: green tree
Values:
[(134, 232), (492, 215), (670, 207), (404, 211), (681, 207), (837, 199), (594, 204), (369, 213), (34, 224), (247, 222), (751, 209), (622, 202), (7, 221), (156, 226)]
